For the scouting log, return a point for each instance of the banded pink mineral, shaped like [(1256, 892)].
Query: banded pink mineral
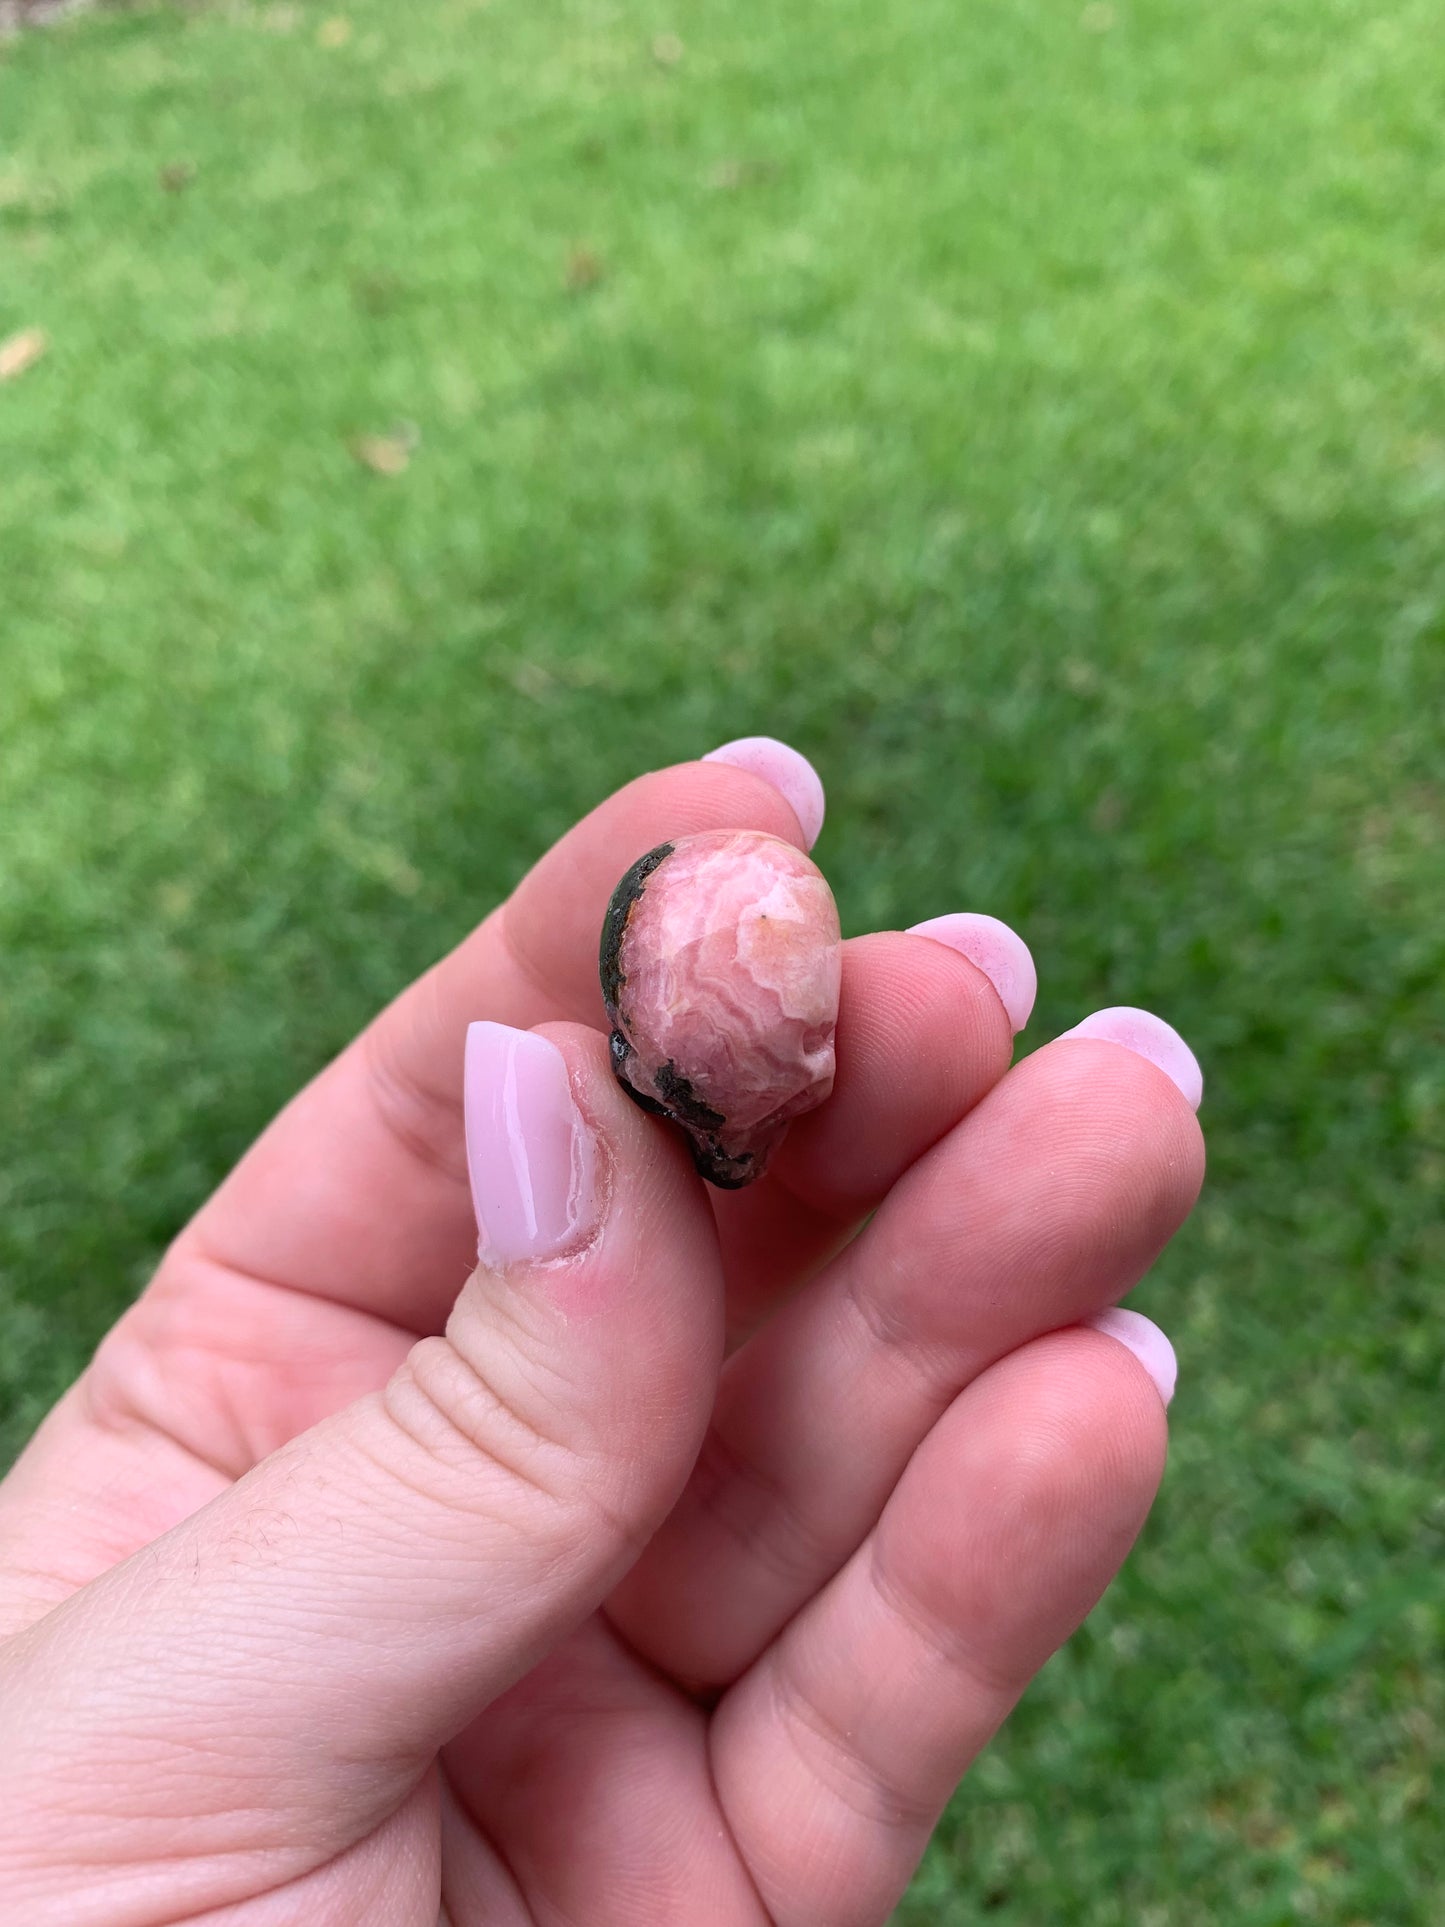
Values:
[(720, 969)]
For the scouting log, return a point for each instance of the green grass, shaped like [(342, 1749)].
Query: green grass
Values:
[(1041, 421)]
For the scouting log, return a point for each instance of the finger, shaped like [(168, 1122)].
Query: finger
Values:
[(1047, 1203), (594, 1771), (357, 1192), (326, 1623), (923, 1033), (477, 1888), (835, 1754)]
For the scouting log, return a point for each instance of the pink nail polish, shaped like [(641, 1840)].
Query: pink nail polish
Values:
[(529, 1151), (1000, 953), (790, 773), (1147, 1036), (1144, 1338)]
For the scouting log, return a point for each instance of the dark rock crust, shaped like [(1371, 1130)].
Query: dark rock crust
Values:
[(614, 925), (675, 1097)]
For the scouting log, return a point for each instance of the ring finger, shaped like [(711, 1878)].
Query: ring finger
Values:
[(1043, 1206)]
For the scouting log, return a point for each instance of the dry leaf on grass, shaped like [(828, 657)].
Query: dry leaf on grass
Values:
[(667, 50), (388, 454), (584, 269), (732, 174), (334, 32), (22, 351), (530, 679)]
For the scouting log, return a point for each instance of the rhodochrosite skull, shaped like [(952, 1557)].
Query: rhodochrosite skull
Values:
[(720, 970)]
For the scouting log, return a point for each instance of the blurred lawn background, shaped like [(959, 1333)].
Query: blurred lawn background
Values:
[(1036, 415)]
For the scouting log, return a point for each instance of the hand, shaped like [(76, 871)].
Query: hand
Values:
[(345, 1587)]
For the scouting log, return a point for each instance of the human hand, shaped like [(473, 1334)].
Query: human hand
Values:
[(329, 1595)]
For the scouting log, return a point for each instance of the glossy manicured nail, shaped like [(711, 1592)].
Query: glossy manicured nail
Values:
[(790, 773), (1148, 1036), (1000, 953), (1144, 1338), (529, 1151)]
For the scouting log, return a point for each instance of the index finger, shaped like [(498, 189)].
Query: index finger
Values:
[(358, 1193)]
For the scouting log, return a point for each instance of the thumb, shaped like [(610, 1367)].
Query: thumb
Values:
[(314, 1634)]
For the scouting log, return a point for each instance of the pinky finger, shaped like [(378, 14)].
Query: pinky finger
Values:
[(836, 1752)]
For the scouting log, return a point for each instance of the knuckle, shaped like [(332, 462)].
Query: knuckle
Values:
[(760, 1515), (864, 1788), (481, 1433), (459, 1414)]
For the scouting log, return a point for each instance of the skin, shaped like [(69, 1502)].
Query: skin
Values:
[(680, 1579)]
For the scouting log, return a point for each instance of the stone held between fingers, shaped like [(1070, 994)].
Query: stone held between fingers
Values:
[(721, 965)]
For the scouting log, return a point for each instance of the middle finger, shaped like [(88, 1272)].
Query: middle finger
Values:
[(923, 1033)]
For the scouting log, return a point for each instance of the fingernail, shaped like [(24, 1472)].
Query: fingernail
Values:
[(529, 1150), (1000, 953), (1148, 1036), (790, 773), (1144, 1338)]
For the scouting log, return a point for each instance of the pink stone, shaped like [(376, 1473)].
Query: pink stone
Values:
[(720, 969)]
